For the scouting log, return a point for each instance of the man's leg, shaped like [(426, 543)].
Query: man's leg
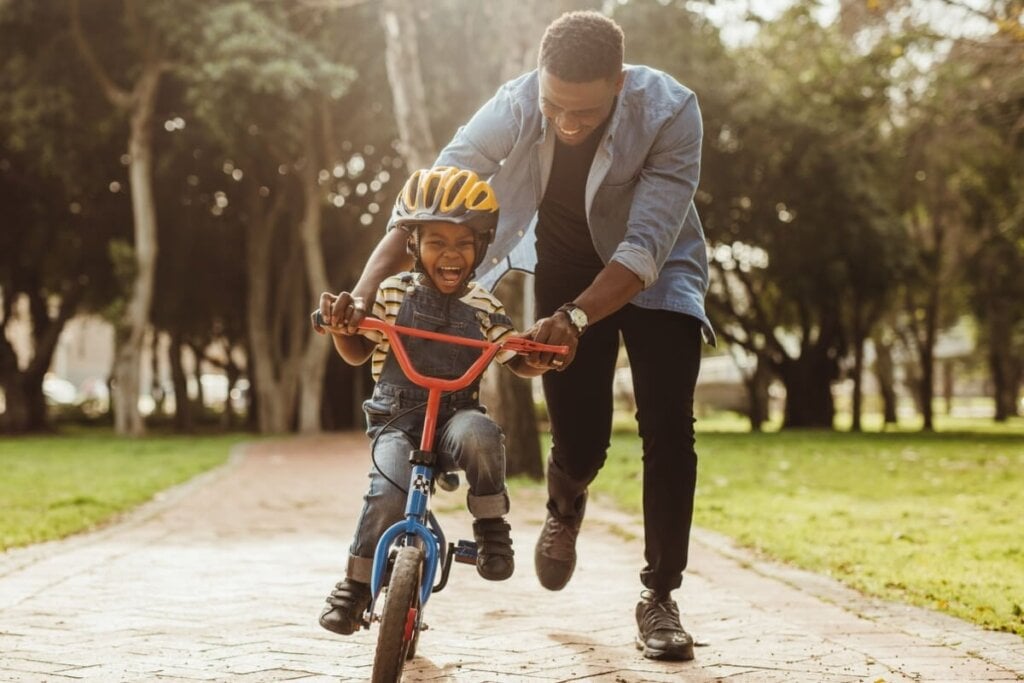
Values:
[(664, 351), (579, 403)]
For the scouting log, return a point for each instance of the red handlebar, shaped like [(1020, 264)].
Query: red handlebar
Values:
[(394, 333), (436, 385)]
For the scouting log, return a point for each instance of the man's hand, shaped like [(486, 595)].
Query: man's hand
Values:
[(555, 330), (341, 312)]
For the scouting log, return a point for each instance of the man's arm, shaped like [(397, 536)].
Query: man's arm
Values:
[(388, 257), (612, 289)]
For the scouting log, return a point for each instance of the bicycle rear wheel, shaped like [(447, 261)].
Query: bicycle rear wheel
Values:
[(398, 632)]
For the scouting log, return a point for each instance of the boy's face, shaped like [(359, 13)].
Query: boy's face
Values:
[(447, 253)]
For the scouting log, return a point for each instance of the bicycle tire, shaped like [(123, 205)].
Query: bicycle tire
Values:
[(397, 633)]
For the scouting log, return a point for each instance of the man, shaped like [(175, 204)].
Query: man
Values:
[(596, 164)]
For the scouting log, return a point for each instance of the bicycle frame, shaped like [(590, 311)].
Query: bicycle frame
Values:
[(417, 516)]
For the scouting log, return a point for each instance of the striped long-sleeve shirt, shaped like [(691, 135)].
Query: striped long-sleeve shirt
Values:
[(495, 325)]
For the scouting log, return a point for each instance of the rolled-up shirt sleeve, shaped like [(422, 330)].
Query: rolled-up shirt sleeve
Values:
[(663, 196)]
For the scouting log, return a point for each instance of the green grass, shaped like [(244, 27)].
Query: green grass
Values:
[(934, 520), (53, 486)]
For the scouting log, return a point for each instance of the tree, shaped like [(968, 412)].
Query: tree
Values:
[(61, 207), (271, 85), (137, 102)]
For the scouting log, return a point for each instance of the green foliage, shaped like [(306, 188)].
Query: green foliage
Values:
[(51, 487), (252, 67), (874, 511)]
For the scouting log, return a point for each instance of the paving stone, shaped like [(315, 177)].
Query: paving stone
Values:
[(223, 578)]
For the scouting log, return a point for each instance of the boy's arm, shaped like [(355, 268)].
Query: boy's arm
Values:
[(354, 349), (388, 257)]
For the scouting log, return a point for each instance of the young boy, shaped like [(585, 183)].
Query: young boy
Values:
[(451, 216)]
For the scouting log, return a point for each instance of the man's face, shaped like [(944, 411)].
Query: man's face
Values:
[(576, 109), (447, 253)]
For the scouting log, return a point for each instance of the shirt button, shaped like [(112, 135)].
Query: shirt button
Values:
[(494, 261), (520, 233), (474, 394)]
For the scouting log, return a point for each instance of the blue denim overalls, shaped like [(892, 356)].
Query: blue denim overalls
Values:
[(466, 438)]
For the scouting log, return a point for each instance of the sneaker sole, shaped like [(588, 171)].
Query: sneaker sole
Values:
[(683, 653)]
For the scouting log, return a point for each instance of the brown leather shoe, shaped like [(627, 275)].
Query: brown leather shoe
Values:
[(555, 555), (661, 635)]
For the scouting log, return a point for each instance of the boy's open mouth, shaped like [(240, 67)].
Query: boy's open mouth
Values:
[(450, 275)]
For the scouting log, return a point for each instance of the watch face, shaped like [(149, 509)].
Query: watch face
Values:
[(578, 317)]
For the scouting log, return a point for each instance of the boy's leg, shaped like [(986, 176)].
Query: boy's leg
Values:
[(384, 505), (474, 443)]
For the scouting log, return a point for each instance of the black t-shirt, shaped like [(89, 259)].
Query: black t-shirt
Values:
[(565, 249)]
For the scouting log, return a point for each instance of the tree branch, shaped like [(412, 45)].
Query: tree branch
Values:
[(118, 96)]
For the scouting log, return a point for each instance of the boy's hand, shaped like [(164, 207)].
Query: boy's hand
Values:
[(557, 331), (341, 312)]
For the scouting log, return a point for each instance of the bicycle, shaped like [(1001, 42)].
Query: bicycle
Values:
[(410, 552)]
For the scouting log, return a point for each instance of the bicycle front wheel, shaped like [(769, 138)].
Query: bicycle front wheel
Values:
[(399, 617)]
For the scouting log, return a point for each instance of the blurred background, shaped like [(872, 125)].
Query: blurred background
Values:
[(180, 179)]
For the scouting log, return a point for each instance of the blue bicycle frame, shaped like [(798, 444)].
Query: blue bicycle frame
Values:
[(414, 526)]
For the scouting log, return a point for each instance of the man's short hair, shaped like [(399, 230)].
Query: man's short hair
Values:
[(580, 47)]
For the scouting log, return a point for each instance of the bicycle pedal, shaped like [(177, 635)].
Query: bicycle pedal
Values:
[(465, 552)]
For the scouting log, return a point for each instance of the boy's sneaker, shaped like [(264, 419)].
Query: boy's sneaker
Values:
[(661, 636), (555, 555), (493, 548), (345, 607)]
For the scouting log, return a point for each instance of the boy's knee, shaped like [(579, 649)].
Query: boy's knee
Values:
[(479, 436)]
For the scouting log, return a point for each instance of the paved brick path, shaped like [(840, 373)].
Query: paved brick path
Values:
[(222, 579)]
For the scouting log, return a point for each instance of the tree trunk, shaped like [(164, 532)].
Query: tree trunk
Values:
[(317, 349), (1004, 367), (182, 404), (757, 394), (132, 326), (510, 398), (948, 385), (885, 373), (808, 382), (858, 382), (233, 372), (274, 350), (416, 142), (197, 373), (26, 404), (156, 388), (26, 409), (926, 387)]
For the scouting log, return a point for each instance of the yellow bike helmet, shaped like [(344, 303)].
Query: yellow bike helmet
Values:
[(446, 193)]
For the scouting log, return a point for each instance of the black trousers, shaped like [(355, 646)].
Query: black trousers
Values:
[(664, 355)]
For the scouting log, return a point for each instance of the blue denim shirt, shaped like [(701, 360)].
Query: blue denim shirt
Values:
[(639, 193)]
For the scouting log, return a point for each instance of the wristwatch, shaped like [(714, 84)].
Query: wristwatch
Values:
[(576, 315)]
